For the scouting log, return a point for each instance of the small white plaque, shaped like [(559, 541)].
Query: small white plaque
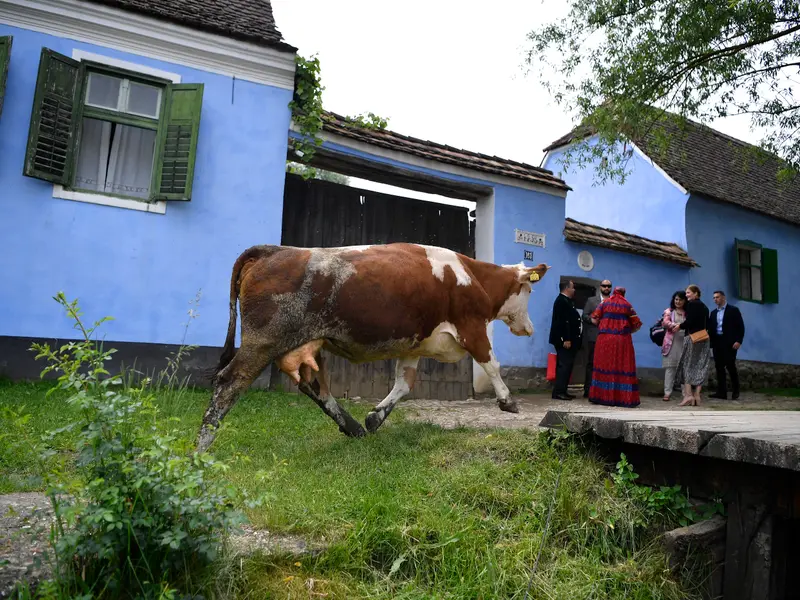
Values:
[(586, 261), (528, 237)]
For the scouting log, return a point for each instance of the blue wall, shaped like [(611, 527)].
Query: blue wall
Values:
[(647, 204), (712, 229), (140, 268)]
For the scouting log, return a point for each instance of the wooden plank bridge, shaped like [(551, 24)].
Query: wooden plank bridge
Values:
[(749, 459)]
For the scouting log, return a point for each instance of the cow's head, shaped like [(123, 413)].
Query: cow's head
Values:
[(514, 312)]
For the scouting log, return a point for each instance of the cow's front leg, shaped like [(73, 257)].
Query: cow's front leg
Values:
[(492, 370), (325, 400), (405, 374), (475, 341)]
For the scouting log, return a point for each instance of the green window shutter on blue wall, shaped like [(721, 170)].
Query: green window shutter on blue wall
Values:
[(177, 142), (769, 270), (55, 118), (5, 59)]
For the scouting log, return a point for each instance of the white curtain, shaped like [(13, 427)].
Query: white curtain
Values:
[(93, 156), (130, 164), (122, 165)]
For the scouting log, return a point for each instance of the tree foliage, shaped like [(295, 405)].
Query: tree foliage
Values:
[(624, 67)]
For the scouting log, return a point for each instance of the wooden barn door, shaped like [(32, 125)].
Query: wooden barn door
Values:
[(325, 214)]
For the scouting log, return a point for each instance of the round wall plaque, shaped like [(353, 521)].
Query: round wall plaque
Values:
[(586, 261)]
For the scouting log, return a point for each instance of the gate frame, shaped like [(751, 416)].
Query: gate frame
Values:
[(377, 162)]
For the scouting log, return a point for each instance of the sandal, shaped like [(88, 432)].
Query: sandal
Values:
[(666, 398), (690, 401)]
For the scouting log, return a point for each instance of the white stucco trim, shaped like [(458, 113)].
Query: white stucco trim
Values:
[(639, 151), (434, 165), (150, 37), (124, 64), (158, 208)]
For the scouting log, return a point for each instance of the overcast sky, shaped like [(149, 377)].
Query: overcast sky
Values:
[(444, 70)]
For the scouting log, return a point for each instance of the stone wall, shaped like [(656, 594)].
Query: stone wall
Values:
[(758, 375), (752, 375)]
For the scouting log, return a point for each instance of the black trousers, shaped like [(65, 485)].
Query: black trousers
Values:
[(565, 359), (725, 360), (587, 379)]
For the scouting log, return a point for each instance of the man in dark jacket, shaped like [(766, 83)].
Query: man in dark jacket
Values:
[(565, 336), (726, 333)]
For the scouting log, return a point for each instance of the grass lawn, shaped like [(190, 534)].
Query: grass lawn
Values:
[(414, 511)]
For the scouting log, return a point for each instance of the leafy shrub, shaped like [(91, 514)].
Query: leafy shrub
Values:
[(144, 512), (668, 503)]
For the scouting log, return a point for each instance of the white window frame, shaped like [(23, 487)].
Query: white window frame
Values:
[(160, 206)]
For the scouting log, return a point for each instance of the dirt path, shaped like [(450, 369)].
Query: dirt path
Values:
[(485, 414)]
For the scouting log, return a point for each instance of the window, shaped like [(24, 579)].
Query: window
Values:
[(756, 272), (5, 58), (104, 130)]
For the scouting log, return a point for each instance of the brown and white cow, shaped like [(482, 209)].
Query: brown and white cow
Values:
[(364, 303)]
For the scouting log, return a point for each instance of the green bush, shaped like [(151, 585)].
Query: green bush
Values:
[(144, 513)]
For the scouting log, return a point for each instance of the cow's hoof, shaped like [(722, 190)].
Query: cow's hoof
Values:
[(508, 406), (352, 428), (373, 422)]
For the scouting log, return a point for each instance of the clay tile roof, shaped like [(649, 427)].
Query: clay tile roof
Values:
[(712, 164), (583, 233), (245, 20), (339, 125)]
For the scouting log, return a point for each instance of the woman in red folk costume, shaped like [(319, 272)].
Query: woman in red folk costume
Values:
[(614, 381)]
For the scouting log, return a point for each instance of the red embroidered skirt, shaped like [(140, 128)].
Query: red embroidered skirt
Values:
[(614, 381)]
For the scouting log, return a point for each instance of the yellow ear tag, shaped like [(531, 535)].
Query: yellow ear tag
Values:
[(534, 276)]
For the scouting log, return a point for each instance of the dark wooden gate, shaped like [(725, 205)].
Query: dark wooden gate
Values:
[(324, 214)]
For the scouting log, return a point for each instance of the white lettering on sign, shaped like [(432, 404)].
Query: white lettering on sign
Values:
[(528, 237)]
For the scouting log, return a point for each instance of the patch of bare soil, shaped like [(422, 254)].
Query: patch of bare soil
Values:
[(24, 538), (25, 521)]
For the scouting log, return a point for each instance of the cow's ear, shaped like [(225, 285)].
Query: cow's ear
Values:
[(534, 274)]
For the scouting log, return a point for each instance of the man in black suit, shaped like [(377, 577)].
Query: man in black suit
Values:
[(565, 336), (726, 330)]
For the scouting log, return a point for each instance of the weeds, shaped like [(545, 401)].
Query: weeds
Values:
[(142, 515)]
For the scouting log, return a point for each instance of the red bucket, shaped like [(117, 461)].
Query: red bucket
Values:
[(551, 367)]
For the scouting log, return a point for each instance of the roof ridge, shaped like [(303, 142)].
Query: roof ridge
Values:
[(623, 233), (350, 124)]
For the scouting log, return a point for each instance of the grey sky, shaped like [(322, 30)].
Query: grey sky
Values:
[(444, 70)]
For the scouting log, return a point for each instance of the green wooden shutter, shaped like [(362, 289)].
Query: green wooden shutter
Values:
[(177, 143), (769, 275), (55, 118), (5, 58)]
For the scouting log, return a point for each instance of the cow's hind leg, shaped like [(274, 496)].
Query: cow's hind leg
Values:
[(235, 378), (405, 374), (320, 393)]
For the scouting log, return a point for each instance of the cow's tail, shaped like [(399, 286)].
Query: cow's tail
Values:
[(228, 350)]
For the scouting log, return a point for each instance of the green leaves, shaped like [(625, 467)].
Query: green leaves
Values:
[(306, 106), (143, 513), (620, 66)]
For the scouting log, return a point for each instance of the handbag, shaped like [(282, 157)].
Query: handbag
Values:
[(657, 333), (699, 336)]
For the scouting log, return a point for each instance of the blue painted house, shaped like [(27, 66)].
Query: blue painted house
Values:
[(142, 146), (709, 211)]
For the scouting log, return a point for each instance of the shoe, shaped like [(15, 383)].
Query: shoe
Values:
[(570, 396), (735, 396), (719, 396), (562, 397)]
